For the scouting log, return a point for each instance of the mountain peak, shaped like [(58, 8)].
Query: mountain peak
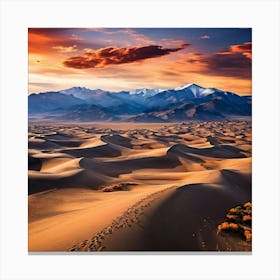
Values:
[(80, 88), (75, 89), (146, 91), (192, 85)]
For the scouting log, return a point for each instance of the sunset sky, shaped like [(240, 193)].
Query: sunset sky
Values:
[(129, 58)]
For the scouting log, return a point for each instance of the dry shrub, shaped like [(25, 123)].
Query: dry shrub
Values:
[(233, 210), (248, 235), (223, 226), (238, 220), (118, 187), (233, 226), (231, 217), (228, 226), (247, 211), (246, 218), (248, 204)]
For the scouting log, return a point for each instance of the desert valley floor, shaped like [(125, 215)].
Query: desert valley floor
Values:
[(135, 186)]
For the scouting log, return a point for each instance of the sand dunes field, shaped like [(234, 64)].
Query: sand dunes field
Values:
[(136, 187)]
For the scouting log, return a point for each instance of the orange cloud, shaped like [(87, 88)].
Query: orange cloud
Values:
[(112, 55), (38, 43), (196, 58), (66, 49), (244, 49), (50, 40)]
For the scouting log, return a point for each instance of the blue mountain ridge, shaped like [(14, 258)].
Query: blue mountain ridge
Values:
[(190, 102)]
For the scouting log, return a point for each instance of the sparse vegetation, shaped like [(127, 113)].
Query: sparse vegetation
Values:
[(118, 187), (238, 220)]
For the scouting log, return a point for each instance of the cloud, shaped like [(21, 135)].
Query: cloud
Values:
[(130, 36), (232, 64), (244, 49), (185, 45), (195, 57), (138, 38), (235, 61), (205, 37), (48, 40), (51, 32), (111, 55), (168, 43), (66, 49)]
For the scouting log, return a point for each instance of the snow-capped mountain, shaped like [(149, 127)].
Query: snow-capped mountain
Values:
[(190, 101), (196, 90), (146, 91)]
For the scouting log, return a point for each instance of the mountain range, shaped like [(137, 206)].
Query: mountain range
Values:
[(189, 102)]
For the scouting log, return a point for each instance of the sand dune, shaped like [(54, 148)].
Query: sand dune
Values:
[(174, 219), (117, 140), (41, 144), (93, 142), (34, 163), (185, 219), (67, 143), (223, 151), (68, 216), (244, 164), (106, 150), (39, 181), (58, 165), (182, 177)]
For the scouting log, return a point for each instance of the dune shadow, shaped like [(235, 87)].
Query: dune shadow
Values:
[(99, 151), (118, 140), (160, 162), (82, 179), (221, 151), (34, 163), (188, 219)]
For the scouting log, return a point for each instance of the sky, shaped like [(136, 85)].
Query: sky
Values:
[(118, 59)]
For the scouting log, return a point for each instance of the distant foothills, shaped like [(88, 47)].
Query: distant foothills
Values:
[(190, 102)]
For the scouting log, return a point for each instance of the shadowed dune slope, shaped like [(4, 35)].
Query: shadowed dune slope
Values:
[(187, 220), (221, 151), (41, 144), (99, 151), (34, 163), (78, 178), (117, 140)]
